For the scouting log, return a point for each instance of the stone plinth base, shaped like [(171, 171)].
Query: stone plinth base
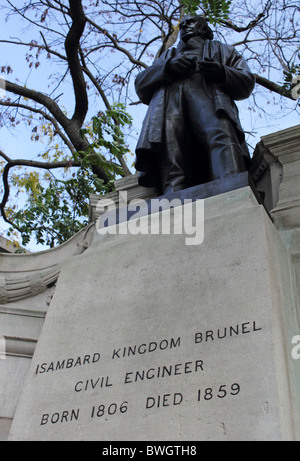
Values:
[(150, 338)]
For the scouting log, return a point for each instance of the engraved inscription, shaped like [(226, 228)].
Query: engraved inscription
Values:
[(124, 376)]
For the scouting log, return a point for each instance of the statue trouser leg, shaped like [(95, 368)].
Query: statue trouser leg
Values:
[(216, 135), (225, 153), (172, 169), (172, 162)]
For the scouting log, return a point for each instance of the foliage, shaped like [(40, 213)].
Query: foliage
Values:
[(57, 212), (57, 208), (106, 137), (214, 10)]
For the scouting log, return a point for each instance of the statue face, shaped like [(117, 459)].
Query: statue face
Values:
[(191, 27)]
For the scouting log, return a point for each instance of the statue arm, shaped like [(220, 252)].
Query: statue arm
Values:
[(239, 81), (151, 79)]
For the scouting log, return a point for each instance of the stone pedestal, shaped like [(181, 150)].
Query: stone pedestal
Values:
[(163, 336), (150, 338)]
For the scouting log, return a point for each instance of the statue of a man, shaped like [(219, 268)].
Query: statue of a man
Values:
[(191, 133)]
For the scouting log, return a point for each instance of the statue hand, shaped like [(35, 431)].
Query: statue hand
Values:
[(180, 66), (213, 71)]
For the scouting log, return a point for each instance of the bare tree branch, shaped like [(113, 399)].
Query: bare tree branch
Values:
[(46, 116), (273, 87), (40, 98), (72, 48), (134, 61)]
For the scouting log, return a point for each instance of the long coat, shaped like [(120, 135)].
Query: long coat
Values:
[(152, 86)]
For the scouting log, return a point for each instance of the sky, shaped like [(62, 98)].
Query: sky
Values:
[(16, 143)]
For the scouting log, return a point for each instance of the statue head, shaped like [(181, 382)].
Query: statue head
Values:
[(192, 26)]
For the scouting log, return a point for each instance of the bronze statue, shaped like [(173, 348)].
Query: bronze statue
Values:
[(191, 133)]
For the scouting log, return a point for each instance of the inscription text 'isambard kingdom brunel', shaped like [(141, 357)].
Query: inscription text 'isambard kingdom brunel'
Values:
[(149, 347)]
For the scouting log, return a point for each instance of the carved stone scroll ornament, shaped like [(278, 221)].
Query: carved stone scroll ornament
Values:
[(17, 284), (15, 289), (3, 291)]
